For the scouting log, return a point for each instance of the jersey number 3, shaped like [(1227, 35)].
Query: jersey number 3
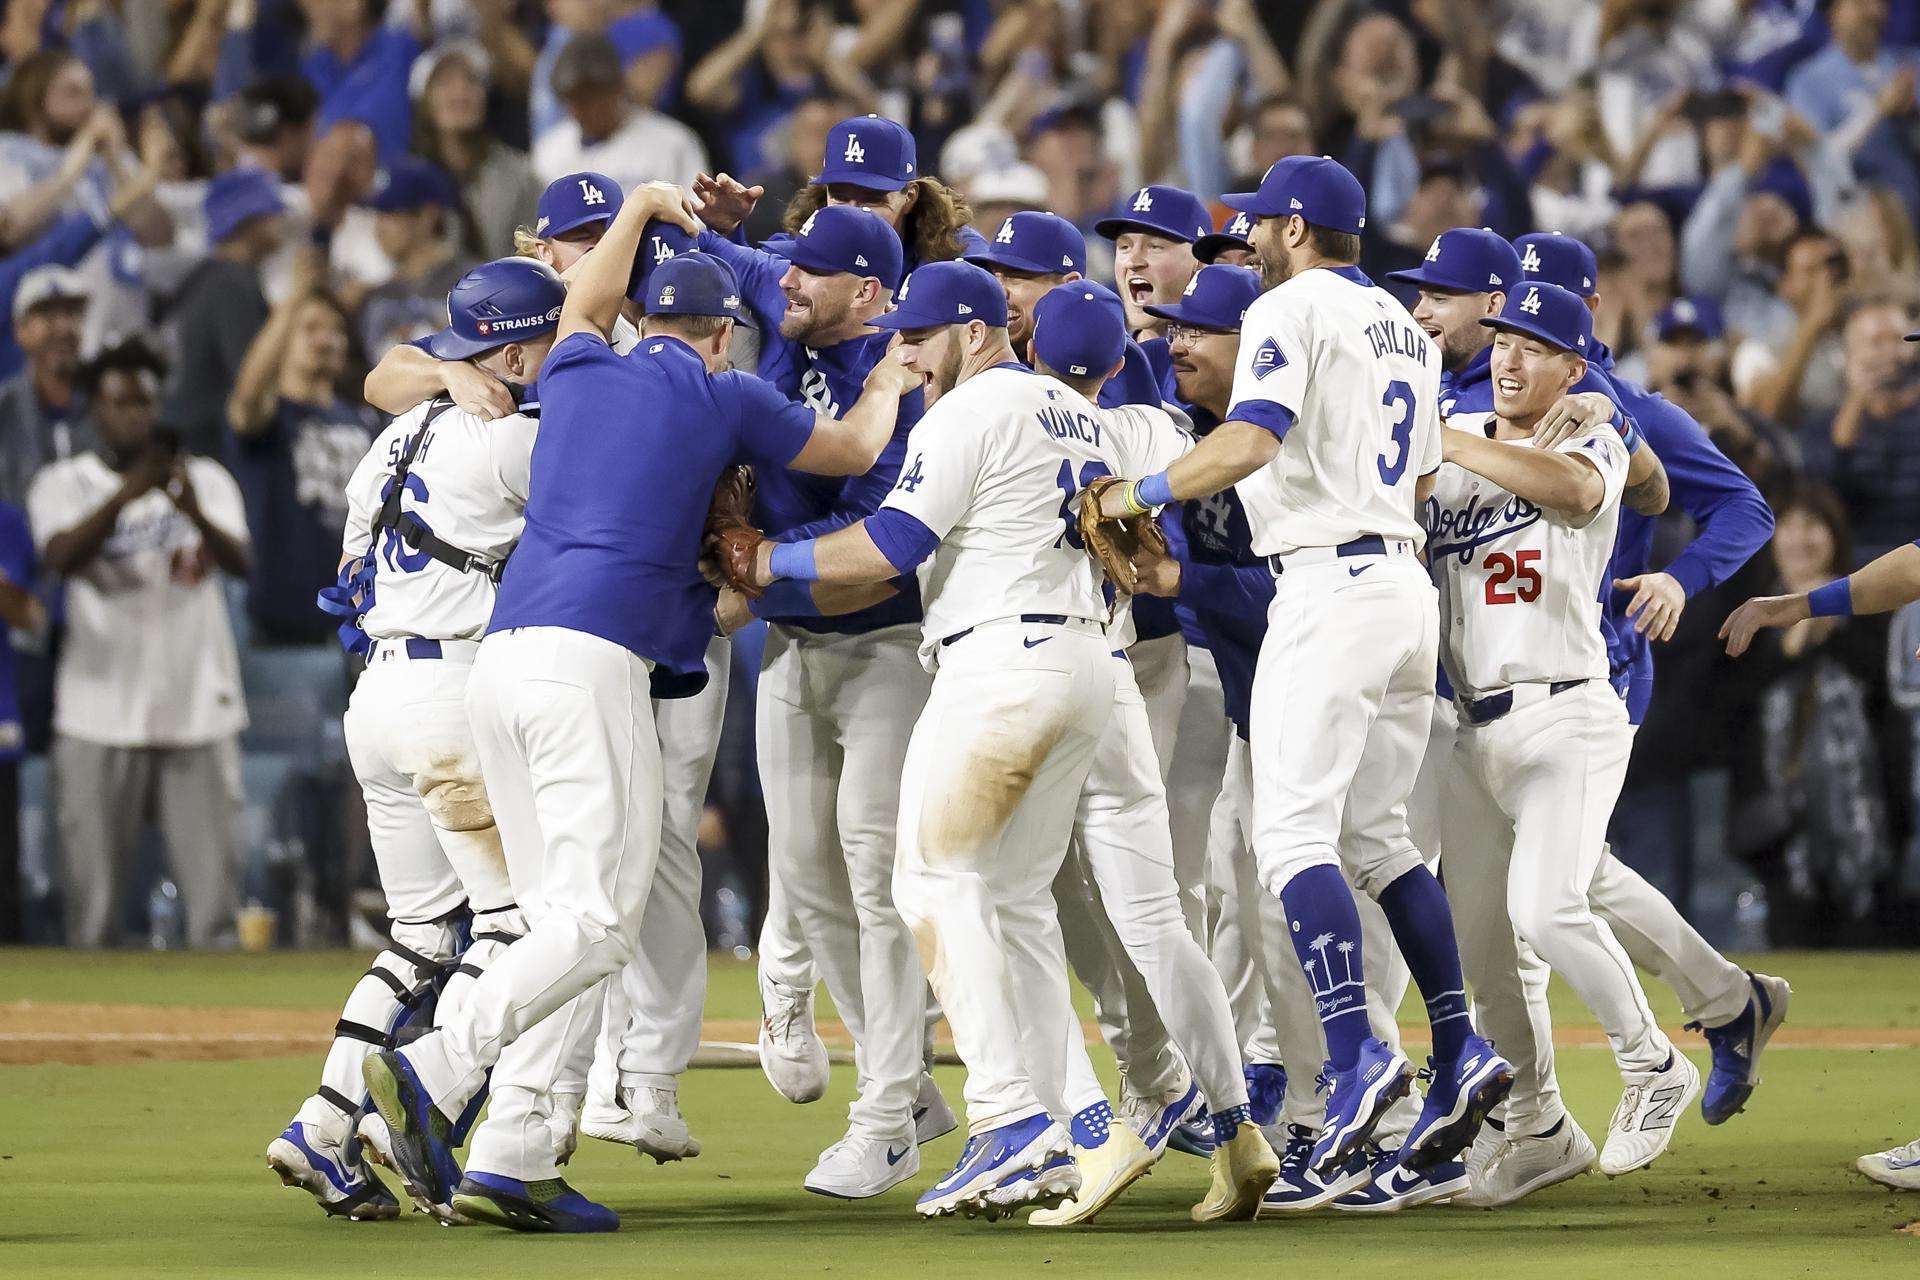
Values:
[(1068, 490), (1399, 395)]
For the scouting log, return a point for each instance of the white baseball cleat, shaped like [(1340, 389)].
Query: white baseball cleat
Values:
[(860, 1166), (1486, 1148), (341, 1183), (932, 1116), (648, 1120), (564, 1124), (1643, 1123), (1521, 1165), (791, 1052), (1898, 1168)]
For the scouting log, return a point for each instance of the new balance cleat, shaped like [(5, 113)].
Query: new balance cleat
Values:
[(1459, 1096), (342, 1184), (990, 1158), (1298, 1189), (1266, 1091), (1650, 1107), (1356, 1100), (1737, 1046), (1047, 1187), (860, 1166), (791, 1051), (1105, 1171), (1156, 1120), (1395, 1186), (932, 1116), (549, 1205), (417, 1132), (1898, 1168), (1523, 1164), (646, 1119), (1243, 1168)]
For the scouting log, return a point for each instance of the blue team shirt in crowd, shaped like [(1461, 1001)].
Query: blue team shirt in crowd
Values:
[(622, 474), (18, 564), (371, 89)]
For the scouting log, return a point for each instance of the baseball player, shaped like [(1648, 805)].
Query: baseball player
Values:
[(1228, 246), (1519, 539), (602, 591), (1023, 690), (433, 510), (837, 699), (1332, 431)]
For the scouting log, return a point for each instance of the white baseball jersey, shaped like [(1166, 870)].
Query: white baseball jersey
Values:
[(1341, 372), (994, 469), (1150, 440), (1520, 585), (468, 483)]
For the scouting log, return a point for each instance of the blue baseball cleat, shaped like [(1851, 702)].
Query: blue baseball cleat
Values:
[(1459, 1096), (1047, 1187), (548, 1205), (332, 1172), (1395, 1187), (1299, 1189), (1356, 1099), (991, 1158), (418, 1133), (1266, 1091), (1737, 1045), (1161, 1123)]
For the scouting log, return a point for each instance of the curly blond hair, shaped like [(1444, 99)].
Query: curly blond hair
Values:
[(930, 231)]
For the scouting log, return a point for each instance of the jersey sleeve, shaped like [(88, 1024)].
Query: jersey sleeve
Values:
[(363, 495), (1606, 453), (1150, 441), (1426, 445), (510, 442), (1270, 375), (772, 429), (942, 471), (757, 271), (220, 500)]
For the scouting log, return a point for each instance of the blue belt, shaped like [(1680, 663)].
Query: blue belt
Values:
[(1367, 544), (415, 647), (1486, 710), (1056, 619)]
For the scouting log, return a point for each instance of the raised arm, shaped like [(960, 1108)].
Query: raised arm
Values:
[(599, 279), (1885, 584), (1546, 477), (407, 376)]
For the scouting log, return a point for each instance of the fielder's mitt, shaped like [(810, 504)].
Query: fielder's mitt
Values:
[(731, 539), (1116, 540)]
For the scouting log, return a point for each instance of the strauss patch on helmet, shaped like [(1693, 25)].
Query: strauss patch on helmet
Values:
[(507, 324)]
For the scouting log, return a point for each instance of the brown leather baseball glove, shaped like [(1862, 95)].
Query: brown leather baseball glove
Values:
[(1115, 541), (731, 540)]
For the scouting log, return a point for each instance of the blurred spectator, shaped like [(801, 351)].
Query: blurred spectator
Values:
[(1689, 365), (1646, 55), (41, 409), (1810, 813), (1279, 127), (1766, 202), (51, 150), (1803, 378), (802, 140), (649, 46), (220, 307), (1082, 182), (566, 20), (147, 698), (360, 68), (998, 194), (1856, 89), (605, 131), (1877, 232), (1642, 275), (296, 441), (496, 183), (1869, 450), (417, 216), (22, 618)]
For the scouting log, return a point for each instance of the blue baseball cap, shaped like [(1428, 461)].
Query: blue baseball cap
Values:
[(1044, 243), (1699, 315), (411, 183), (1465, 260), (1316, 188), (1078, 332), (575, 199), (506, 300), (1216, 298), (869, 151), (237, 195), (1556, 316), (641, 33), (1237, 234), (659, 242), (841, 238), (939, 293), (693, 284), (1162, 210), (1553, 258)]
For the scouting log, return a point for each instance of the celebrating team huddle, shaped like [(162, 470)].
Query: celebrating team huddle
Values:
[(1371, 584)]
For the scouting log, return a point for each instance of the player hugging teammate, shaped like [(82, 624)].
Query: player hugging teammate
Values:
[(1370, 585)]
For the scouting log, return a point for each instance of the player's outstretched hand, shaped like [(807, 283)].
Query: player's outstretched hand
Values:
[(891, 374), (477, 391), (725, 202), (669, 203), (1570, 416), (1658, 601), (1156, 573), (1761, 611)]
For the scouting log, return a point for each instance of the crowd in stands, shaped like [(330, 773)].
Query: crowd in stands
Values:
[(215, 215)]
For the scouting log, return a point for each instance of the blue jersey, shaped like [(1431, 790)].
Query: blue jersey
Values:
[(18, 566), (1138, 382), (791, 506), (1160, 360), (1224, 587), (622, 475)]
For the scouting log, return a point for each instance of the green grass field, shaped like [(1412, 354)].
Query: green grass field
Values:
[(155, 1169)]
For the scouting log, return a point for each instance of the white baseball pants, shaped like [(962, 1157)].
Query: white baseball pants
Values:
[(993, 777), (564, 725), (834, 716)]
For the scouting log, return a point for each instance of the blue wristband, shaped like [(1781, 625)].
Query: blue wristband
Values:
[(1155, 490), (794, 560), (1835, 600), (787, 598)]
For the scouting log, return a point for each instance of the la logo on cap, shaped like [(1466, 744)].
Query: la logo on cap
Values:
[(855, 153), (1531, 303), (1193, 282), (1530, 262), (1143, 201), (1006, 233), (1433, 252), (1240, 226), (806, 228), (661, 249)]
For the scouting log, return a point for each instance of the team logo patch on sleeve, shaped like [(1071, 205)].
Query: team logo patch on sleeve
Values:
[(1268, 358)]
